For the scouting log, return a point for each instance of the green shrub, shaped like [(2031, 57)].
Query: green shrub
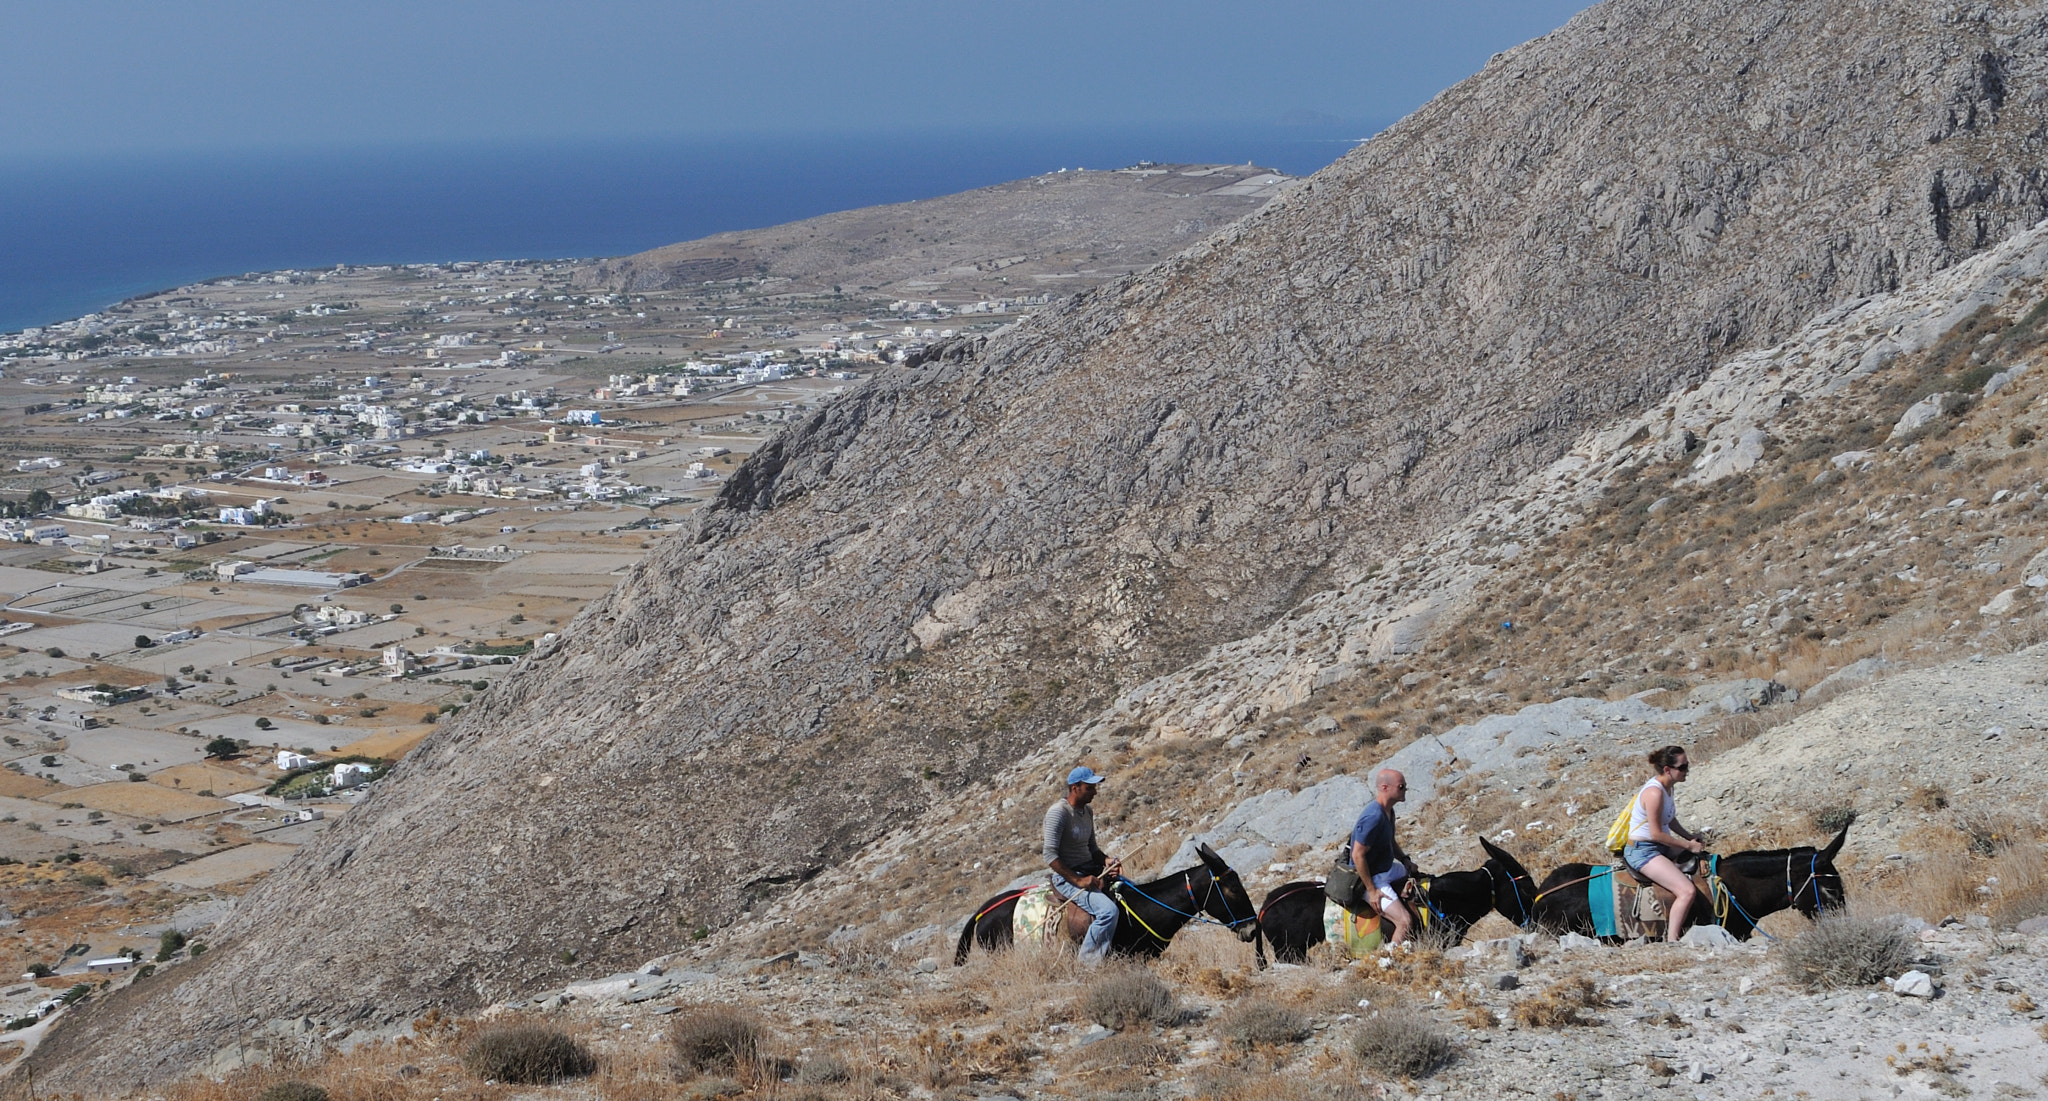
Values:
[(1403, 1042), (527, 1055), (1260, 1023), (1847, 950), (168, 944), (1125, 998), (716, 1038)]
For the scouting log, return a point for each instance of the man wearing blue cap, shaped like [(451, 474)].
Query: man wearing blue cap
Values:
[(1080, 871)]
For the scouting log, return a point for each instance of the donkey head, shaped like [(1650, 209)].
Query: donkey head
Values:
[(1825, 891), (1514, 889), (1229, 903)]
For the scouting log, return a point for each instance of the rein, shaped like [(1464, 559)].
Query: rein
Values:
[(1514, 888), (1196, 915), (1284, 895), (1722, 894), (1429, 908)]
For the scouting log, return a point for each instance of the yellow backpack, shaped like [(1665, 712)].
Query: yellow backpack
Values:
[(1617, 834)]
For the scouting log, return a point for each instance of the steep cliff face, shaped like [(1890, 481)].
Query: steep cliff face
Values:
[(927, 578)]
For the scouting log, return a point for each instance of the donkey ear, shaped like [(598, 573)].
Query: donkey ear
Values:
[(1835, 846), (1506, 859), (1210, 858)]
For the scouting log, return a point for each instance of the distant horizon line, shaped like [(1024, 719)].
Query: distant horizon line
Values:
[(1320, 129)]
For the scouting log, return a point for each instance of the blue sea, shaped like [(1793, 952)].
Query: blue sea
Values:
[(79, 235)]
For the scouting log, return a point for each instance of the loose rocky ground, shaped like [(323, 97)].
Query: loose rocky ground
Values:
[(1526, 1018)]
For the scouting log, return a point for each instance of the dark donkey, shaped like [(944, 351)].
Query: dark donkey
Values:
[(1150, 913), (1754, 884), (1446, 907)]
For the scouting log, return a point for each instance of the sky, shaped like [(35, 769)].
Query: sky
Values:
[(97, 77)]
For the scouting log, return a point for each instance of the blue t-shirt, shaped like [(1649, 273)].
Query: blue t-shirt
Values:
[(1375, 830)]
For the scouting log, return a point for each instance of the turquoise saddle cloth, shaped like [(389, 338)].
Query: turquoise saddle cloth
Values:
[(1600, 896)]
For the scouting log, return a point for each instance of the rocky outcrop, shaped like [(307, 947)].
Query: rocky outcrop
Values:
[(922, 581)]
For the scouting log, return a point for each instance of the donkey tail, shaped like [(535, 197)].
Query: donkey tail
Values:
[(966, 939)]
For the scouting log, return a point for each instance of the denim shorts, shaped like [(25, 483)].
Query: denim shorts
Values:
[(1638, 853)]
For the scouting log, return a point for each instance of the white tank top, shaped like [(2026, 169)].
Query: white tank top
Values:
[(1639, 822)]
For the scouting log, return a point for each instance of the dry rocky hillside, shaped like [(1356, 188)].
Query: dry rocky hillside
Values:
[(1056, 233), (1230, 524), (1842, 621)]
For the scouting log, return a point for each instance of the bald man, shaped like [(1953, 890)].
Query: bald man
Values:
[(1373, 856)]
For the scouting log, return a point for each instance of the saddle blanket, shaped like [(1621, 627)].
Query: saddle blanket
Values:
[(1621, 908), (1360, 936), (1036, 911)]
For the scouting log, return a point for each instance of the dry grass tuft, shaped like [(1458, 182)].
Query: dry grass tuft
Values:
[(1404, 1042), (1847, 950), (2022, 890), (1127, 1052), (293, 1091), (1562, 1005), (1905, 1061), (1130, 996), (1422, 969), (1230, 1084), (528, 1055), (1328, 956), (1260, 1023), (866, 954), (1028, 986), (717, 1038), (823, 1069)]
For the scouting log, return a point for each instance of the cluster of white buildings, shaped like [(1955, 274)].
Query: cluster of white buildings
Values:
[(32, 531), (347, 774), (250, 516)]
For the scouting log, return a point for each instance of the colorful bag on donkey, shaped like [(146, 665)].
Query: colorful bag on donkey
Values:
[(1359, 934)]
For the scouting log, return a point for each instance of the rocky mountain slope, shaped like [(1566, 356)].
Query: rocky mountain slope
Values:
[(1055, 233), (1649, 587), (909, 591)]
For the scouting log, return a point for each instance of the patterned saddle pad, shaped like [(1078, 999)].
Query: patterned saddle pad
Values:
[(1037, 915)]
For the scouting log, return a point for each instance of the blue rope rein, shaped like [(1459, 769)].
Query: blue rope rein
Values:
[(1422, 892), (1515, 889), (1714, 880), (1195, 915)]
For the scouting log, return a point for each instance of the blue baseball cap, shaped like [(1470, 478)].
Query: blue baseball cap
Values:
[(1083, 775)]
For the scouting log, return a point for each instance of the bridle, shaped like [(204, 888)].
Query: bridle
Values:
[(1198, 914), (1812, 880), (1515, 888)]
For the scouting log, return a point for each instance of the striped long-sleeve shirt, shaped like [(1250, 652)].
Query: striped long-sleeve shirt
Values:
[(1070, 838)]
